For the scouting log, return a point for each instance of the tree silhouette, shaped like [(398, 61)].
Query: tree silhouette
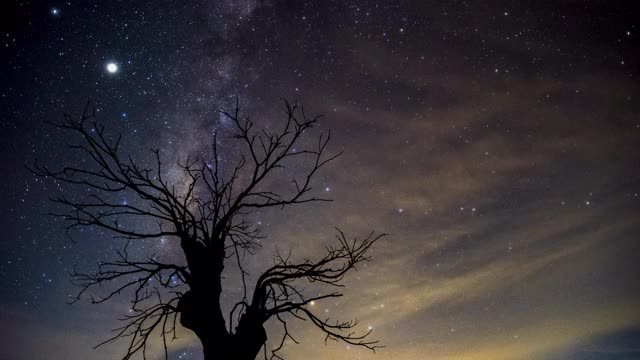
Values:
[(209, 214)]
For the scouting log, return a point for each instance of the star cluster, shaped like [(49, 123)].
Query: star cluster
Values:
[(495, 141)]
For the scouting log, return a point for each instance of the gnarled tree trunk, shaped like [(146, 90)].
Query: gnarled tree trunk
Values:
[(205, 319), (200, 309)]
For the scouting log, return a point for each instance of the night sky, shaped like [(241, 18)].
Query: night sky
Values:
[(497, 143)]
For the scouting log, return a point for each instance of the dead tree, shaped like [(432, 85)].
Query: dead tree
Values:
[(209, 214)]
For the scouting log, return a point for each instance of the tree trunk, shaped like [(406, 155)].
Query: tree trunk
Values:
[(200, 310), (233, 349), (205, 319)]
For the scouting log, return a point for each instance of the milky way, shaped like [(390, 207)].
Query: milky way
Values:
[(495, 142)]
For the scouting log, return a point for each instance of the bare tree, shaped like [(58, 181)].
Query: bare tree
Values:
[(209, 214)]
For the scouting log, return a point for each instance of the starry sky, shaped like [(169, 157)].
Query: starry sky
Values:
[(496, 142)]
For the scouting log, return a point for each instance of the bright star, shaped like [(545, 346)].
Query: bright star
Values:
[(112, 68), (55, 11)]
